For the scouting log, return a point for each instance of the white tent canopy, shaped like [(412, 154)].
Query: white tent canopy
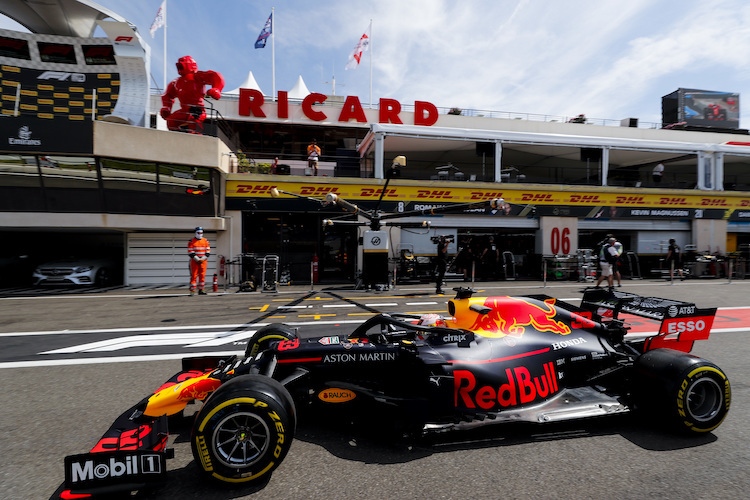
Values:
[(249, 83), (300, 90)]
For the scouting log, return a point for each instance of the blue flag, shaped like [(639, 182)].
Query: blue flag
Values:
[(265, 33)]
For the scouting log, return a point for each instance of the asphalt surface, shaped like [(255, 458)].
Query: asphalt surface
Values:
[(59, 404)]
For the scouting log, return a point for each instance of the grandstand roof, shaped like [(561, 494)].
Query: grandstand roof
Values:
[(58, 17)]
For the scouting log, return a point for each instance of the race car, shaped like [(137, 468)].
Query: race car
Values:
[(490, 360)]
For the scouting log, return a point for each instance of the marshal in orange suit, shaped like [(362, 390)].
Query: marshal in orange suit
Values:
[(198, 250)]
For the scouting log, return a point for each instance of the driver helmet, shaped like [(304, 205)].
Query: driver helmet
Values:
[(432, 319)]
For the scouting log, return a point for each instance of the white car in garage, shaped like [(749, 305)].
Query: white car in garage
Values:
[(79, 271)]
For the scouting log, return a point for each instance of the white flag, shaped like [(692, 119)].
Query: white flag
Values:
[(362, 46), (159, 20)]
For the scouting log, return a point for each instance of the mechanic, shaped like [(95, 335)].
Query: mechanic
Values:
[(313, 154), (198, 250), (441, 264), (188, 88), (674, 259), (607, 260), (616, 266)]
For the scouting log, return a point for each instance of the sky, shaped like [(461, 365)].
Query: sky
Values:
[(607, 59)]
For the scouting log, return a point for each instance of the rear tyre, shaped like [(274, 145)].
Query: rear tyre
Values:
[(244, 430), (690, 394), (263, 338)]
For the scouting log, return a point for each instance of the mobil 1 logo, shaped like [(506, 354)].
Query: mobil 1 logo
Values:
[(93, 470)]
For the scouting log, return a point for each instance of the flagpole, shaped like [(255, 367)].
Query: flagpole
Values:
[(165, 46), (273, 54), (371, 63)]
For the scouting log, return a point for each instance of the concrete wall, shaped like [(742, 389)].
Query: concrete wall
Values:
[(710, 235), (125, 141)]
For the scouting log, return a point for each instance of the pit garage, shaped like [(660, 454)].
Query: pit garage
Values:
[(161, 258), (29, 249)]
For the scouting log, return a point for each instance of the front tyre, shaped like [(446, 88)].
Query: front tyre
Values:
[(262, 339), (691, 394), (244, 430)]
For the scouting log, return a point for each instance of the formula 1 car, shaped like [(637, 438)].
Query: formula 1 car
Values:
[(493, 360)]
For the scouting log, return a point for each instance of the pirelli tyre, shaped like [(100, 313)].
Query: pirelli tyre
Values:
[(263, 338), (244, 430), (690, 394)]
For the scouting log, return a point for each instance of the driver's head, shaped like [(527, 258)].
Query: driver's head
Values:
[(431, 319)]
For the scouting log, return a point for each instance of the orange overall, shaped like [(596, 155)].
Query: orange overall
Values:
[(201, 249)]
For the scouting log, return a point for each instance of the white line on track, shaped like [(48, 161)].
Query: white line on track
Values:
[(173, 328), (119, 359)]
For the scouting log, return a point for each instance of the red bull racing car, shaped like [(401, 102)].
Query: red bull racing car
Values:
[(492, 360)]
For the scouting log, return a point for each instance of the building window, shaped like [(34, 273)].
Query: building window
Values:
[(70, 183), (128, 175), (14, 47), (99, 54), (178, 179), (20, 184), (129, 186), (57, 53), (186, 190)]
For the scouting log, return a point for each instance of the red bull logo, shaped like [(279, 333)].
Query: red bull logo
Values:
[(521, 388), (510, 316), (198, 390)]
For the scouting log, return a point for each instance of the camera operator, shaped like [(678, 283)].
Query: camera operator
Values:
[(441, 262)]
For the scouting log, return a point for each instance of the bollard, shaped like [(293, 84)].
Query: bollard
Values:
[(730, 270), (312, 276)]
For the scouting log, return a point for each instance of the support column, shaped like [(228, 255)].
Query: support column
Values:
[(377, 168), (498, 161), (719, 171)]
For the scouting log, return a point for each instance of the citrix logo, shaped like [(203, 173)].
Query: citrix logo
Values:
[(454, 338)]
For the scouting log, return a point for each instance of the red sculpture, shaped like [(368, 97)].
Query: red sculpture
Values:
[(188, 88)]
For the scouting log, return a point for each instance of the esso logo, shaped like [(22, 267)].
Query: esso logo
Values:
[(686, 326)]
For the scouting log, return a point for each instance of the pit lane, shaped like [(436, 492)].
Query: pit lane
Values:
[(52, 411)]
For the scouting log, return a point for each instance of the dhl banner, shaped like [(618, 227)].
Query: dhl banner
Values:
[(525, 202)]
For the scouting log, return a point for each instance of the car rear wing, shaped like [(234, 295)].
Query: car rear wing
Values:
[(682, 323)]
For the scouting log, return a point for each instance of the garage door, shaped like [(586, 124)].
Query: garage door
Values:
[(161, 259)]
